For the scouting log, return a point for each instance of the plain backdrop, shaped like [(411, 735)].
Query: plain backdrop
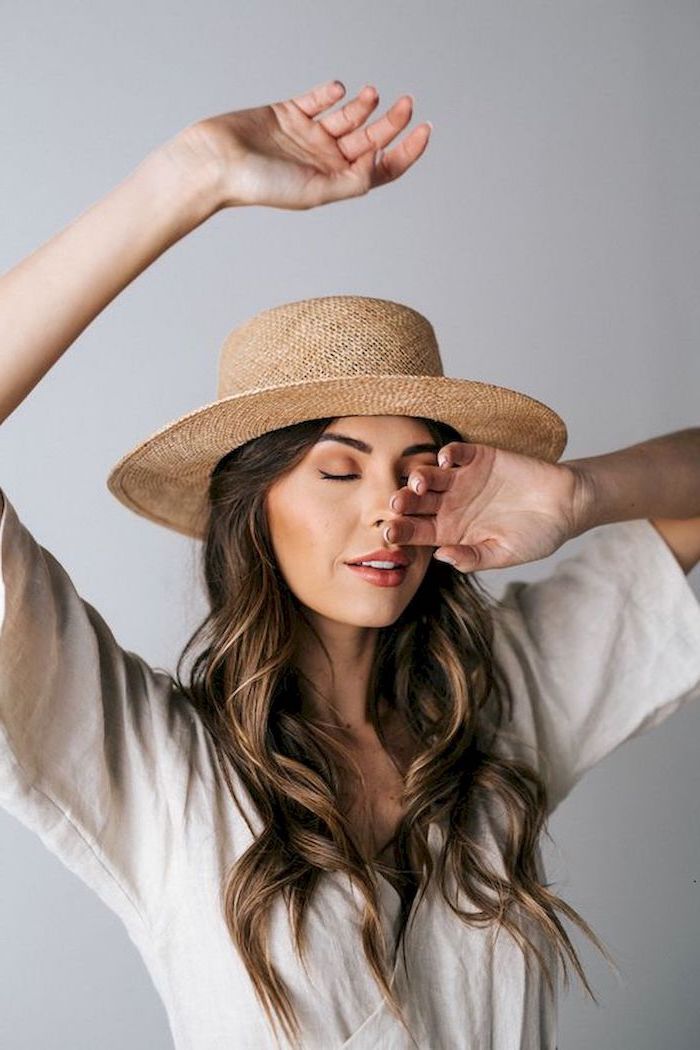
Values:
[(550, 233)]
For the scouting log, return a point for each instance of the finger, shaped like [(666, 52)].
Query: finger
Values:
[(377, 135), (353, 114), (407, 502), (391, 165), (426, 478), (418, 530), (368, 171), (474, 557), (457, 453), (422, 481), (320, 97)]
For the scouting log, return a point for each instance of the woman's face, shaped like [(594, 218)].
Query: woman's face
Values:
[(318, 525)]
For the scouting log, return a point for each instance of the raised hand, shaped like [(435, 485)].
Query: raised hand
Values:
[(487, 508), (290, 155)]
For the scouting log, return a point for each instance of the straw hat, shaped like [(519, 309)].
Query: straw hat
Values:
[(339, 355)]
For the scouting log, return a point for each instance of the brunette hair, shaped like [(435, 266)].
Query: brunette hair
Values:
[(434, 666)]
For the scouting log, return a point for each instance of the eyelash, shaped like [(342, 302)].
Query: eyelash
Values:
[(347, 477)]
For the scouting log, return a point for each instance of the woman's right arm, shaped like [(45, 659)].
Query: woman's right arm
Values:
[(98, 753), (276, 155), (53, 294)]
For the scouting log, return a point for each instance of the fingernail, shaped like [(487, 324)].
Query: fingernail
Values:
[(393, 501), (444, 557), (442, 461)]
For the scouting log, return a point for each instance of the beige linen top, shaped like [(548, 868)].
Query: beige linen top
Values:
[(112, 769)]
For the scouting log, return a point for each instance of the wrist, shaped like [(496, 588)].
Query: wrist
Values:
[(590, 500), (185, 185)]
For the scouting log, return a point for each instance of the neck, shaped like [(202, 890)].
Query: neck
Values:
[(336, 692)]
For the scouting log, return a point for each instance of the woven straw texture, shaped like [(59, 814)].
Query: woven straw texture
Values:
[(342, 355)]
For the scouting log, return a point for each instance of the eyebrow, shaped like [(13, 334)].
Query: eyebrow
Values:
[(362, 446)]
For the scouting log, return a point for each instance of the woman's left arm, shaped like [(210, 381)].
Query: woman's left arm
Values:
[(485, 507), (657, 479)]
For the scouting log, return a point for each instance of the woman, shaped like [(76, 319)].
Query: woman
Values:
[(364, 756)]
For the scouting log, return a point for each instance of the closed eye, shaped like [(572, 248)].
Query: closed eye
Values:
[(347, 477)]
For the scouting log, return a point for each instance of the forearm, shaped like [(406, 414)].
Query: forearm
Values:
[(53, 294), (659, 478)]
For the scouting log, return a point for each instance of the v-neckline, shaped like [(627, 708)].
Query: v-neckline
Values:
[(433, 829), (394, 903)]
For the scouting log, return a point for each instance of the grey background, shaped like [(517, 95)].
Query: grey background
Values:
[(550, 233)]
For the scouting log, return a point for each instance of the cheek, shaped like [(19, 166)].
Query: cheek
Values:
[(309, 540), (304, 534)]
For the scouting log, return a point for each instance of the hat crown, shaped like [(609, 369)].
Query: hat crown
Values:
[(330, 337), (335, 356)]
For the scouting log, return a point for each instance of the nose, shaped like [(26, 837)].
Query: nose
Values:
[(382, 524), (383, 514)]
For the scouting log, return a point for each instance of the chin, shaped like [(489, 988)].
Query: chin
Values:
[(370, 621), (377, 614)]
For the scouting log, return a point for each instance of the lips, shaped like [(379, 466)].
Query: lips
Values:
[(398, 557)]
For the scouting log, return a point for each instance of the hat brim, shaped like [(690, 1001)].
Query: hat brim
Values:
[(166, 477)]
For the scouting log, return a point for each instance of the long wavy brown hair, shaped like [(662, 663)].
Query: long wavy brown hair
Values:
[(434, 668)]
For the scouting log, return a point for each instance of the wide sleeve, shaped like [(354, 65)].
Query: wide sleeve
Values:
[(95, 745), (604, 648)]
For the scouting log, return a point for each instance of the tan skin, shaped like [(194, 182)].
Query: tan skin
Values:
[(341, 502), (291, 155), (480, 508), (294, 154), (334, 506), (487, 506), (316, 524)]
